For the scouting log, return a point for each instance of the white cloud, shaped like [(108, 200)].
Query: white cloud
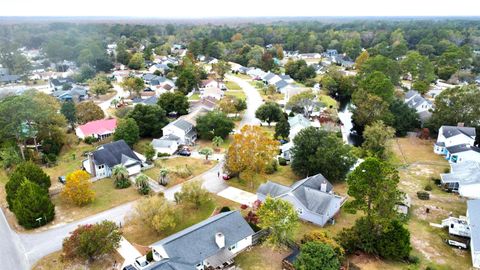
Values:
[(239, 8)]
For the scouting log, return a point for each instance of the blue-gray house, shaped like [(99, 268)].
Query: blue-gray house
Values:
[(312, 197)]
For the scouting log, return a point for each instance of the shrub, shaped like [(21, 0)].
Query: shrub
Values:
[(423, 195), (163, 155), (437, 181), (141, 182), (271, 167), (183, 171), (428, 187), (225, 209), (122, 183), (282, 161), (244, 206), (413, 259), (90, 140), (149, 256)]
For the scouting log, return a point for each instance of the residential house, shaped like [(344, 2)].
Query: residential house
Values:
[(281, 85), (5, 79), (463, 178), (256, 73), (162, 67), (312, 197), (166, 145), (309, 55), (271, 78), (473, 217), (423, 106), (287, 78), (453, 135), (99, 129), (145, 101), (57, 84), (297, 123), (76, 94), (212, 84), (210, 244), (211, 92), (101, 161), (462, 152), (183, 129)]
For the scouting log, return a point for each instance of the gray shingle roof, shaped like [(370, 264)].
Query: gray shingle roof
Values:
[(450, 131), (273, 189), (281, 84), (182, 124), (473, 213), (191, 246), (314, 182), (112, 153), (162, 143), (314, 200), (462, 148), (464, 173)]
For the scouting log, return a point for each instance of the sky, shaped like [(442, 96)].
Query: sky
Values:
[(239, 8)]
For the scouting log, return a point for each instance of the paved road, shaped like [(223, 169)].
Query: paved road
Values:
[(20, 251), (120, 93), (254, 100)]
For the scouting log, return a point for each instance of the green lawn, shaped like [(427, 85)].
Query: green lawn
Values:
[(236, 93), (195, 165), (194, 97), (242, 76), (328, 101), (232, 85)]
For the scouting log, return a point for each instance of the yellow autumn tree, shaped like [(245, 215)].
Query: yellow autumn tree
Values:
[(361, 59), (155, 212), (78, 188), (250, 152)]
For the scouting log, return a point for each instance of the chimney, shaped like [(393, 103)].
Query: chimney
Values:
[(460, 124), (323, 186), (220, 240), (91, 163)]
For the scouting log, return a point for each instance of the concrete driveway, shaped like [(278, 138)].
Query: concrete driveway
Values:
[(238, 195), (254, 100), (128, 252)]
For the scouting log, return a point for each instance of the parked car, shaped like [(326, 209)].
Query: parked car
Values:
[(62, 179), (227, 176), (129, 267), (184, 152), (282, 141), (141, 262)]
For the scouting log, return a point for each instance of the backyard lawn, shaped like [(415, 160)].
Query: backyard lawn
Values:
[(180, 168), (194, 97), (236, 93), (232, 85)]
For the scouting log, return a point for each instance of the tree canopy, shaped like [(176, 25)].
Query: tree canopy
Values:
[(214, 124), (174, 102), (150, 119)]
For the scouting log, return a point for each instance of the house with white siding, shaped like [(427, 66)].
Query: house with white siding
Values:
[(453, 135), (312, 197)]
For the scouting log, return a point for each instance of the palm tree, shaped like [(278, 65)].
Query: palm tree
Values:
[(120, 175), (163, 176), (114, 102)]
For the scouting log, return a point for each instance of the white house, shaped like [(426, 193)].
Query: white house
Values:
[(211, 92), (312, 197), (463, 178), (210, 244), (182, 129), (256, 73), (271, 78), (98, 129), (462, 152), (423, 106), (166, 145), (453, 135), (101, 161)]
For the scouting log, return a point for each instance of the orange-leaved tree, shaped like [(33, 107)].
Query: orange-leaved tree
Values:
[(250, 152), (78, 188)]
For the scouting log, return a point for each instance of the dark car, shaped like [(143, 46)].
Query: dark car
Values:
[(184, 152), (282, 141), (129, 267), (62, 179)]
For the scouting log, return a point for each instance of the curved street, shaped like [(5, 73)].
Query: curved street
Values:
[(21, 250)]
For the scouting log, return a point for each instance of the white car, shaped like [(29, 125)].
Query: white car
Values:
[(141, 262)]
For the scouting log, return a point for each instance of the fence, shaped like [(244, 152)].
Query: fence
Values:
[(257, 237)]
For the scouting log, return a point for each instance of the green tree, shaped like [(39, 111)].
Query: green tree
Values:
[(316, 255), (376, 83), (214, 124), (207, 151), (127, 130), (221, 68), (123, 56), (69, 111), (318, 151), (384, 65), (217, 141), (25, 170), (133, 84), (32, 205), (150, 119), (269, 112), (88, 111), (149, 152), (364, 183), (299, 70), (404, 118), (85, 73), (137, 61), (281, 218), (193, 193), (456, 105), (282, 129), (141, 182), (369, 108), (100, 84), (395, 241), (377, 136), (419, 67), (361, 59), (91, 241), (120, 176), (174, 102), (305, 103)]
